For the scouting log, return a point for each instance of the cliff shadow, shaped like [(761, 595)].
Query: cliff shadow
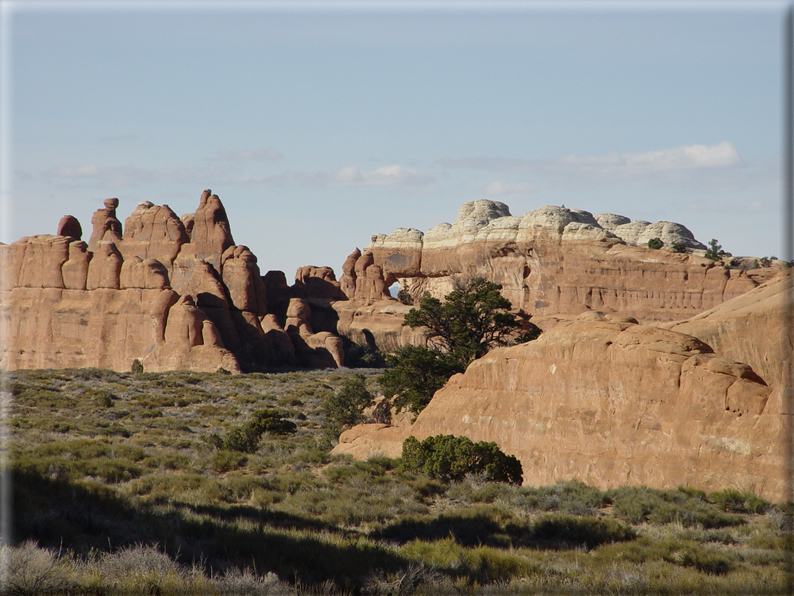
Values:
[(59, 514)]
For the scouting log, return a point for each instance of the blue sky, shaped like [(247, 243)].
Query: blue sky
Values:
[(321, 124)]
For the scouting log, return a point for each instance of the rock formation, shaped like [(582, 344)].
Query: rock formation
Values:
[(557, 260), (608, 401), (105, 225), (69, 226), (153, 232), (550, 261), (174, 293), (376, 325), (750, 328), (321, 349)]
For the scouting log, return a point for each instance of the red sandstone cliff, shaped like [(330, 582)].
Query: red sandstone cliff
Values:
[(609, 402), (750, 328), (174, 293), (108, 301), (555, 260)]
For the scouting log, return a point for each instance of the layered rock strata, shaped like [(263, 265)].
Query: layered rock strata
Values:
[(174, 293), (610, 402), (558, 260)]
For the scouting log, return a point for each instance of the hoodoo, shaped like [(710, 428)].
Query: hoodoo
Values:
[(173, 293)]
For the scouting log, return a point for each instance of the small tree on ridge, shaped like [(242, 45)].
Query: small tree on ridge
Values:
[(469, 322), (472, 320)]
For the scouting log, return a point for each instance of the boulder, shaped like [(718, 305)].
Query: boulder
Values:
[(40, 259), (244, 282), (75, 269), (69, 226), (104, 268), (318, 283), (315, 350), (377, 325), (371, 285), (150, 274), (283, 348)]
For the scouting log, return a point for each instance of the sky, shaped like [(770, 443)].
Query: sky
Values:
[(320, 124)]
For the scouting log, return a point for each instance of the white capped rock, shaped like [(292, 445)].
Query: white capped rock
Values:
[(609, 221), (630, 232)]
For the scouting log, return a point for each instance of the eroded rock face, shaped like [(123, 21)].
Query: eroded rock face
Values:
[(348, 281), (153, 232), (377, 325), (105, 225), (209, 230), (610, 402), (319, 350), (558, 260), (69, 226), (750, 328), (318, 283), (173, 293)]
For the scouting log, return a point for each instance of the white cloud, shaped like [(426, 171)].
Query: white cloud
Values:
[(348, 176), (721, 155), (95, 176), (500, 188), (718, 167), (394, 175)]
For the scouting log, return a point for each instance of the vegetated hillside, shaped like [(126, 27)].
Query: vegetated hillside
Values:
[(121, 486)]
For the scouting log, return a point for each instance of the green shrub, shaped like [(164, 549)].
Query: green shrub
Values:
[(447, 458), (101, 397), (735, 501), (247, 437), (426, 488), (33, 570), (364, 356), (590, 531), (655, 243), (707, 560), (137, 367), (154, 413), (679, 247), (472, 319), (487, 493), (226, 460), (638, 504), (404, 296), (414, 374), (344, 408), (364, 470), (477, 566), (271, 422), (571, 496)]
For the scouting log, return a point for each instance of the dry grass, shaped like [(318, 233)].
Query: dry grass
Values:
[(119, 488)]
